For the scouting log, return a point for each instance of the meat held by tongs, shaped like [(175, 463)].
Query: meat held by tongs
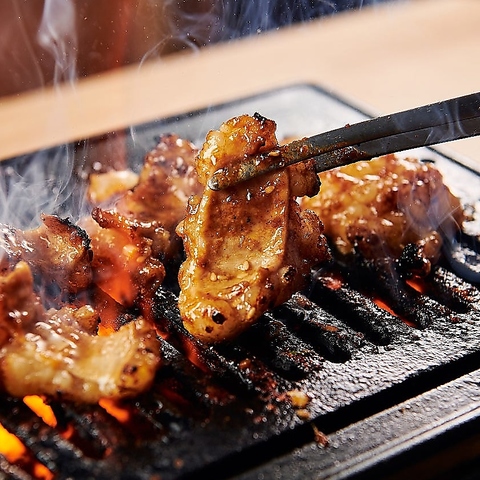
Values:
[(248, 248), (422, 126)]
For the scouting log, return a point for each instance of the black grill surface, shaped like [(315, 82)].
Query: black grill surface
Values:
[(385, 390)]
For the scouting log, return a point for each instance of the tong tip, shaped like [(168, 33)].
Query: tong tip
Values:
[(246, 169), (217, 180)]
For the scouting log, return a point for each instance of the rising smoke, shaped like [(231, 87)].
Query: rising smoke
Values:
[(58, 41), (57, 34), (242, 18)]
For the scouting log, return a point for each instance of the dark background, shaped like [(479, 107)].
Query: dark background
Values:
[(50, 41)]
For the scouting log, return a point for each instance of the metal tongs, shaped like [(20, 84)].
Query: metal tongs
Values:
[(422, 126)]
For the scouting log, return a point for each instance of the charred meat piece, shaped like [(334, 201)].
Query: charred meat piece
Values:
[(58, 353), (57, 251), (249, 247), (125, 264), (378, 207)]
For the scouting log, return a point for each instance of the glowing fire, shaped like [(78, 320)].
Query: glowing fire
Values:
[(387, 308), (383, 306), (10, 446), (416, 285), (115, 410), (45, 412), (15, 451)]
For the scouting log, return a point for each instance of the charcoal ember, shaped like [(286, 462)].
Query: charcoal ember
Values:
[(453, 291), (413, 262), (381, 278)]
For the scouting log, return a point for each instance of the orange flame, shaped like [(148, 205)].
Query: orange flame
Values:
[(383, 306), (42, 472), (115, 410), (36, 404), (14, 451), (10, 446), (416, 284)]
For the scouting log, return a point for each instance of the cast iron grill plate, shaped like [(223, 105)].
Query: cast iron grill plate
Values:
[(231, 416)]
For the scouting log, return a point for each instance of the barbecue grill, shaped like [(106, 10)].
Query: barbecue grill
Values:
[(358, 376)]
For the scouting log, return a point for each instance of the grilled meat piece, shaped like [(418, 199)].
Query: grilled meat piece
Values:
[(160, 193), (249, 247), (117, 265), (125, 260), (166, 181), (57, 251), (378, 207), (58, 352), (106, 186)]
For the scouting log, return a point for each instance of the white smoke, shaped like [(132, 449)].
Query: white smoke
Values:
[(40, 182), (190, 25), (57, 34), (243, 18)]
